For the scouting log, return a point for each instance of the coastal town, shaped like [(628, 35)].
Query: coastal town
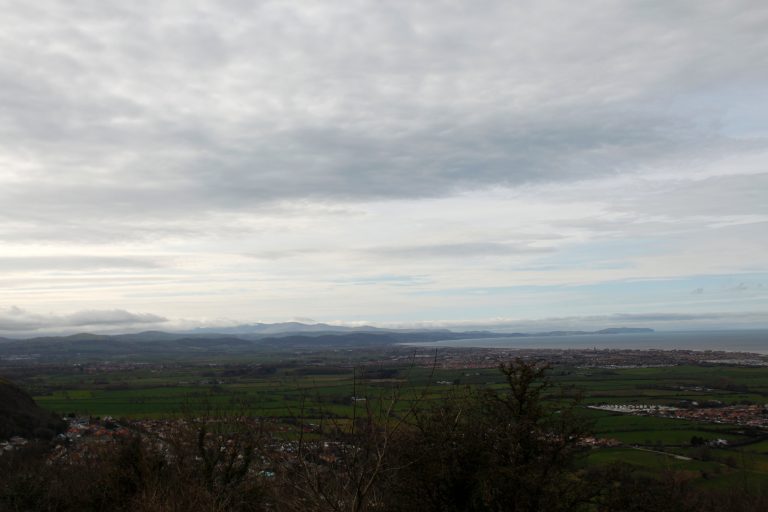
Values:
[(754, 416)]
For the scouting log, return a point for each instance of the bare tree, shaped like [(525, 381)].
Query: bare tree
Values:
[(495, 450), (343, 471)]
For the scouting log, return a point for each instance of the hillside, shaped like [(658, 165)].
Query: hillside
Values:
[(21, 416), (247, 339)]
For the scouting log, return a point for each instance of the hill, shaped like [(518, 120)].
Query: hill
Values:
[(21, 416), (240, 340)]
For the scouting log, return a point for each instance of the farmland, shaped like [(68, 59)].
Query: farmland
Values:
[(319, 386)]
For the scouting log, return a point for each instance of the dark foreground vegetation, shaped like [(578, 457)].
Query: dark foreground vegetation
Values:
[(20, 415), (515, 448)]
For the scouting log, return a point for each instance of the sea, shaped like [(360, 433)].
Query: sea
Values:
[(755, 341)]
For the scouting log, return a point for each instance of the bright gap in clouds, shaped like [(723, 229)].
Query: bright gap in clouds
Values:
[(168, 166)]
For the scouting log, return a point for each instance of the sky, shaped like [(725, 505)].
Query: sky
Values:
[(494, 164)]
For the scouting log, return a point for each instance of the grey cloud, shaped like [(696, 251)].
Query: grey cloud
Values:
[(658, 320), (389, 280), (231, 105), (75, 263), (15, 319), (673, 207), (743, 287), (443, 250), (715, 196), (457, 250), (667, 317), (283, 254), (112, 317)]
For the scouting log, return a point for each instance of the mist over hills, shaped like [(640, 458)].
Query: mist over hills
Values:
[(287, 327)]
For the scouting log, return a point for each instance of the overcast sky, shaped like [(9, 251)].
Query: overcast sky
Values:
[(486, 163)]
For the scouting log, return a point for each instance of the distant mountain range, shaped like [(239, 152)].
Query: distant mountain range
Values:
[(301, 328), (244, 339), (283, 327)]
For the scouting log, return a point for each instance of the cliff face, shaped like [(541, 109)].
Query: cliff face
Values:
[(21, 416)]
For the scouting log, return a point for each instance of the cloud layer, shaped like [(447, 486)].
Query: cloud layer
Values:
[(233, 104), (15, 320), (252, 160)]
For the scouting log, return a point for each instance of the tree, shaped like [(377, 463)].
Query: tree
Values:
[(343, 468), (489, 450)]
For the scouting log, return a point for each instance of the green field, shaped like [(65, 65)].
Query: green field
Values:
[(325, 389)]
